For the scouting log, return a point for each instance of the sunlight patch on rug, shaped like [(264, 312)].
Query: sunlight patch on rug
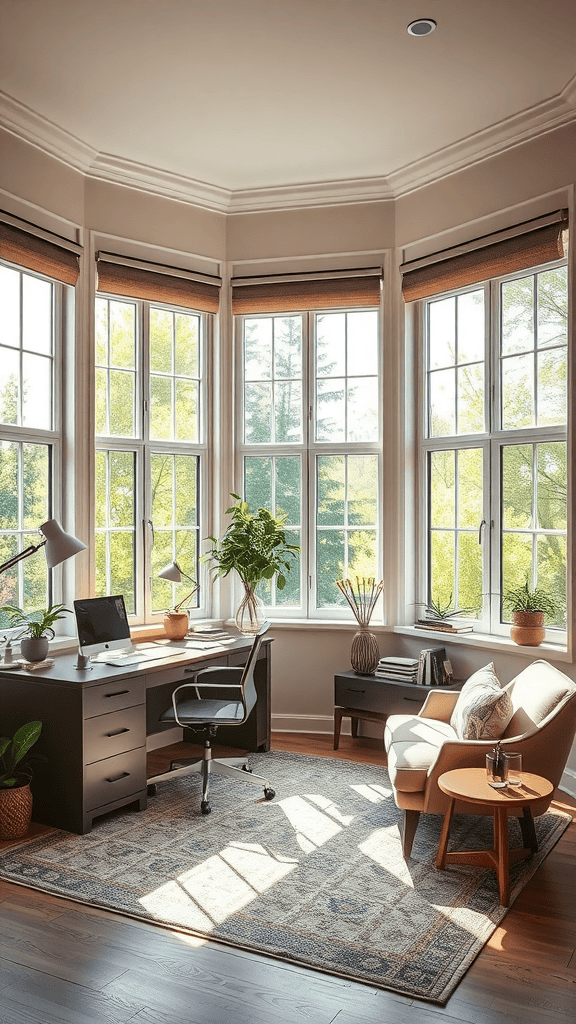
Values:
[(315, 877)]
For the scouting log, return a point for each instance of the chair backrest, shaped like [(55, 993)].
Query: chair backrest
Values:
[(537, 692), (247, 681)]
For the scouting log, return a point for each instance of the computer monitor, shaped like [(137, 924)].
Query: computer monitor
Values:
[(102, 625)]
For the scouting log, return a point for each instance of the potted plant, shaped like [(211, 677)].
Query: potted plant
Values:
[(529, 608), (255, 546), (15, 775), (36, 628)]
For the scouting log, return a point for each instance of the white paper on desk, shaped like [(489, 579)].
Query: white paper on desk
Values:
[(198, 646)]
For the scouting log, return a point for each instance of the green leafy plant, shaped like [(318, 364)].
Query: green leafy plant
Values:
[(38, 623), (526, 599), (254, 545), (442, 611), (15, 766)]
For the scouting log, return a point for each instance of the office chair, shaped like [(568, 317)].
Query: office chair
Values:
[(206, 714)]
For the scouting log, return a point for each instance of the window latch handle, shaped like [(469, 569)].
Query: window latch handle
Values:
[(480, 528)]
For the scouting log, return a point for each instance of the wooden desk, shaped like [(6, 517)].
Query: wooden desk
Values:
[(471, 785), (95, 724)]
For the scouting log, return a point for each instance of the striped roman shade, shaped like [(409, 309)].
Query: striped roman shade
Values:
[(39, 250), (295, 292), (119, 275), (527, 245)]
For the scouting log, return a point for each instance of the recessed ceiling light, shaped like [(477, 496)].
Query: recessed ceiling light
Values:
[(421, 27)]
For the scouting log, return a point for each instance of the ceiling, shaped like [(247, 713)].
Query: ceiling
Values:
[(246, 104)]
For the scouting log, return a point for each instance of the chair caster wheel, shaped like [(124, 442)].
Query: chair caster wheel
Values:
[(269, 794), (246, 768), (151, 789), (206, 807)]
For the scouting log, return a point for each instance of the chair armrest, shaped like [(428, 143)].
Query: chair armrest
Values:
[(216, 675), (439, 704)]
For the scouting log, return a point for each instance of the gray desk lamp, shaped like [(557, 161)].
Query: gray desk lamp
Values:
[(58, 546), (173, 573)]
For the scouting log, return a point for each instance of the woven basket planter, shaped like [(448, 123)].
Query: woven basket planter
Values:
[(527, 628), (15, 812)]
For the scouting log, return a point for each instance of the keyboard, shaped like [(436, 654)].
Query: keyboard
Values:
[(137, 655)]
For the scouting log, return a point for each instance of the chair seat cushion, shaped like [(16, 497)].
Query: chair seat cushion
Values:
[(412, 745), (483, 708), (196, 712)]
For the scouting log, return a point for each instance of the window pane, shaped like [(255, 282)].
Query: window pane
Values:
[(122, 567), (442, 566), (9, 385), (362, 557), (330, 345), (442, 333), (25, 503), (290, 596), (551, 563), (288, 411), (517, 315), (10, 305), (36, 315), (442, 403), (363, 491), (288, 347), (362, 409), (122, 396), (470, 398), (162, 486), (362, 343), (175, 515), (469, 597), (258, 482), (471, 327), (517, 486), (517, 392), (101, 331), (101, 401), (161, 340), (258, 413), (516, 562), (330, 410), (121, 499), (187, 467), (35, 485), (470, 488), (331, 490), (37, 391), (330, 566), (553, 307), (552, 485), (187, 359), (101, 491), (442, 489), (115, 525), (186, 409), (552, 383), (160, 408), (288, 498), (258, 349), (8, 489), (122, 317)]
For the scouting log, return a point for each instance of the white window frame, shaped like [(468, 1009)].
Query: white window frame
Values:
[(309, 450), (144, 447), (491, 441)]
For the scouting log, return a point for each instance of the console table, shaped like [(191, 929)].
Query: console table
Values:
[(95, 724), (373, 699)]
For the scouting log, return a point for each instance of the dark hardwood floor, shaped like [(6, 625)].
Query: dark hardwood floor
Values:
[(64, 963)]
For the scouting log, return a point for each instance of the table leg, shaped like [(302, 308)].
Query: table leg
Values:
[(338, 712), (528, 832), (354, 723), (441, 858), (501, 849)]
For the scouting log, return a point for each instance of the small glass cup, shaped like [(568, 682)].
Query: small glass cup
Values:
[(497, 769), (514, 768)]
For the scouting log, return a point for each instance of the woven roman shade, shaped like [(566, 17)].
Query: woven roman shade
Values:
[(176, 288), (40, 254), (491, 256), (292, 294)]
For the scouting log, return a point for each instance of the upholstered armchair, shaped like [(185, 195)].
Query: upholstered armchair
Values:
[(422, 747)]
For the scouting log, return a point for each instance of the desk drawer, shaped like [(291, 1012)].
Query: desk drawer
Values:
[(114, 778), (373, 695), (112, 734), (111, 696)]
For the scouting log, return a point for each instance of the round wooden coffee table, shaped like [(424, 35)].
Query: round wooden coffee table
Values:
[(471, 786)]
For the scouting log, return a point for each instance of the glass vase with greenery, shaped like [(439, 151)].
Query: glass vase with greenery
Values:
[(255, 547)]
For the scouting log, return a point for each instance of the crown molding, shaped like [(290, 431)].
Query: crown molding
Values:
[(506, 135)]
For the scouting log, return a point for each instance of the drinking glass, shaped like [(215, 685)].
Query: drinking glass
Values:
[(514, 768), (497, 769)]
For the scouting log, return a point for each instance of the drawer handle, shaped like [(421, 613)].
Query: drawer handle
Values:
[(119, 693), (350, 690), (117, 733), (116, 778)]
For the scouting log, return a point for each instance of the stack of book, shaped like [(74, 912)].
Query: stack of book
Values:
[(443, 626), (403, 670)]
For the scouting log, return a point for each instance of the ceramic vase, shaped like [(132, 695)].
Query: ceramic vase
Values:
[(34, 648), (364, 653)]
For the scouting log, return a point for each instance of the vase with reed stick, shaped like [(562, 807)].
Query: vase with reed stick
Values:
[(362, 597)]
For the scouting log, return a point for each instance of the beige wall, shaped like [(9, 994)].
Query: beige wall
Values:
[(529, 180)]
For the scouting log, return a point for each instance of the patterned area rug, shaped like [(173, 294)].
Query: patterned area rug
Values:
[(315, 877)]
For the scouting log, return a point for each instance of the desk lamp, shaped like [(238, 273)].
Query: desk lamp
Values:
[(176, 624), (58, 546), (174, 574)]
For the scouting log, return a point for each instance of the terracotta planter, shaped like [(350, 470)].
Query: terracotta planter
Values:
[(15, 812), (527, 628), (176, 625)]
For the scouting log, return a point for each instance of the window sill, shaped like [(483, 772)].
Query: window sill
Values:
[(320, 624), (556, 652)]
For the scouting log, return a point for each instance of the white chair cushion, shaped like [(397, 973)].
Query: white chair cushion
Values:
[(483, 708), (535, 693), (412, 746)]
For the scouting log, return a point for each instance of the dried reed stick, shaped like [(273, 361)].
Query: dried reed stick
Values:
[(362, 597)]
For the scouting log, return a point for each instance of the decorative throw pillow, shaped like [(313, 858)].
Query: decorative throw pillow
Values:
[(483, 708)]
